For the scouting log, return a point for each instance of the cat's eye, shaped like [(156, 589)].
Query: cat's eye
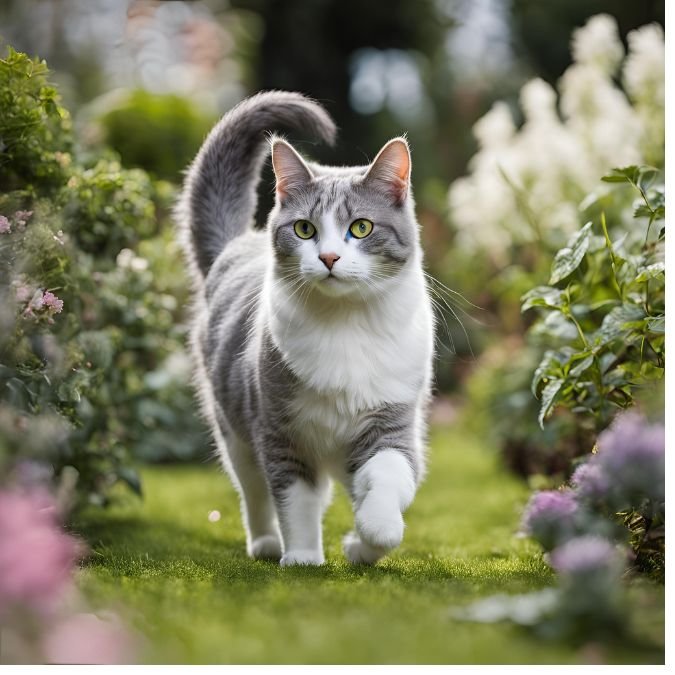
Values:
[(304, 229), (361, 228)]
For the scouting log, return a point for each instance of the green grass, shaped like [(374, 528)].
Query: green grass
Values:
[(186, 584)]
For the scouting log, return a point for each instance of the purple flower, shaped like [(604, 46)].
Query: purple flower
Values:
[(589, 481), (585, 555), (631, 456), (4, 225), (550, 517), (36, 555)]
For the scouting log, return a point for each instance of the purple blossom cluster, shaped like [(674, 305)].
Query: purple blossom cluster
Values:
[(627, 470), (584, 555), (550, 517), (631, 457)]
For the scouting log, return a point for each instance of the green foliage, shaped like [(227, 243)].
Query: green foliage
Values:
[(159, 133), (109, 208), (34, 128), (92, 299), (605, 312)]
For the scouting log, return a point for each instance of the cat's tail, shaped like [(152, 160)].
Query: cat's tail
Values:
[(219, 195)]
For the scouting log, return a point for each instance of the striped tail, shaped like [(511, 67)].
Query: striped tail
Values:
[(219, 195)]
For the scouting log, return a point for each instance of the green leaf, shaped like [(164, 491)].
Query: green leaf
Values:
[(651, 272), (569, 258), (624, 175), (548, 396), (657, 324), (542, 296), (614, 324), (543, 370), (582, 366)]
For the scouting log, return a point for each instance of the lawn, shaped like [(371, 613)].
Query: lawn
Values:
[(186, 584)]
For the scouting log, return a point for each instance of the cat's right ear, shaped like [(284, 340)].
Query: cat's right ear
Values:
[(290, 170)]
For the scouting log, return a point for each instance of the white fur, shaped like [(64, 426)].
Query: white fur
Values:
[(383, 488), (300, 518)]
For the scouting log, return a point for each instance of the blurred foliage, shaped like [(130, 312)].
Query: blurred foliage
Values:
[(92, 368), (605, 315), (158, 133), (598, 289), (34, 128)]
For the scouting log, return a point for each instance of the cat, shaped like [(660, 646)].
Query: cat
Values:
[(312, 339)]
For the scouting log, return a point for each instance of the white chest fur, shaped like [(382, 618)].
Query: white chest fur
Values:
[(356, 358)]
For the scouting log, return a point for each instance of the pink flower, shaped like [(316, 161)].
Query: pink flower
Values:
[(22, 217), (22, 291), (88, 639), (53, 303), (36, 555), (4, 225)]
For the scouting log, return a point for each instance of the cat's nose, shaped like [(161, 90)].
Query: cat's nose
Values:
[(329, 259)]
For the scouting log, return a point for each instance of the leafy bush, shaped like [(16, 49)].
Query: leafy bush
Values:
[(521, 208), (159, 133), (91, 306), (606, 312), (35, 131)]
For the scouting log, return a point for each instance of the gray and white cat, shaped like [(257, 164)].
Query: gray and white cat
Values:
[(312, 339)]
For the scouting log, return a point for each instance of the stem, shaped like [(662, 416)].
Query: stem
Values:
[(608, 241)]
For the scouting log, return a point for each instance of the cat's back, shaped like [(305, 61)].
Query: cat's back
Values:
[(232, 292)]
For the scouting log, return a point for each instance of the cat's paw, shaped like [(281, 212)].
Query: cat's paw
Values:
[(267, 547), (379, 524), (302, 557), (360, 553)]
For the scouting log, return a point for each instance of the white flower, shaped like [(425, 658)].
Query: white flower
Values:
[(644, 69), (496, 127), (538, 100), (597, 44)]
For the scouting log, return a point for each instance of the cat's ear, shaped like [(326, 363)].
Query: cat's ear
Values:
[(290, 170), (390, 171)]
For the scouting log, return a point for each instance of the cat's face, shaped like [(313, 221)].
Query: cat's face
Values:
[(344, 232)]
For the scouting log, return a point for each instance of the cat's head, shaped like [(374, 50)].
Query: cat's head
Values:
[(343, 231)]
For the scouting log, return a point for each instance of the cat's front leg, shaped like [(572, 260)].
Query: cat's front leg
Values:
[(301, 496), (382, 489)]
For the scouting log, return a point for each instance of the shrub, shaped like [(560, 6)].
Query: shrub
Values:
[(92, 302)]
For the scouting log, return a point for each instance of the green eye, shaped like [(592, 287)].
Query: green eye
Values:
[(361, 228), (304, 229)]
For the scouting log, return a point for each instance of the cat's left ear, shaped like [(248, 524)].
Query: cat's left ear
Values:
[(390, 171)]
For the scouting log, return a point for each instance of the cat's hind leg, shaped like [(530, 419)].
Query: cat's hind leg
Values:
[(258, 512)]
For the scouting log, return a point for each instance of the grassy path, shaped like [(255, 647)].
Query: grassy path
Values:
[(187, 585)]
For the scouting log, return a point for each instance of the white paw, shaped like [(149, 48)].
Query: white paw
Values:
[(379, 523), (267, 547), (302, 557), (360, 553)]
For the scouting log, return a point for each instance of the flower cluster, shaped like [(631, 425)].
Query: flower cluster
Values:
[(527, 183), (20, 219), (38, 601), (578, 526), (551, 517)]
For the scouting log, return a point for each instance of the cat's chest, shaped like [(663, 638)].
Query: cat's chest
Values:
[(360, 363)]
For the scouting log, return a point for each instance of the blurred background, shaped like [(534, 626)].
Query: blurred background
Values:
[(143, 81)]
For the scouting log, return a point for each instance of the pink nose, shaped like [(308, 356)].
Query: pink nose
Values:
[(329, 259)]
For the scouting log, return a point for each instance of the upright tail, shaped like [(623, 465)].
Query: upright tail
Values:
[(219, 195)]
